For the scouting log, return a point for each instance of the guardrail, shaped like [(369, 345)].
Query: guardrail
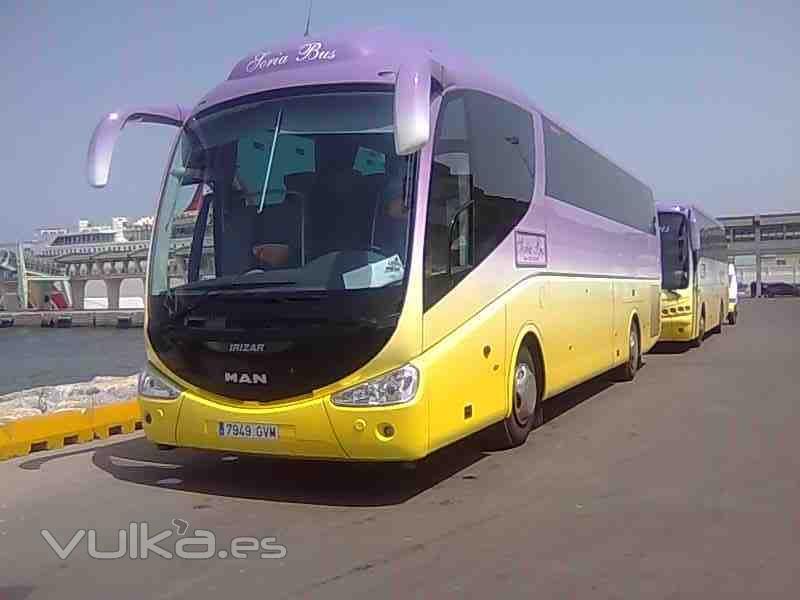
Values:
[(53, 417)]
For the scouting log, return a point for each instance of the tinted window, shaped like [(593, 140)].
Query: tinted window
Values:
[(482, 178), (306, 190), (578, 175), (674, 251), (713, 243)]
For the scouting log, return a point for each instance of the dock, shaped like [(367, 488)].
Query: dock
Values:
[(122, 319)]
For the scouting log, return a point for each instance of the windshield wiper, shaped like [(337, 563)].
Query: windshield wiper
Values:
[(271, 158), (176, 316)]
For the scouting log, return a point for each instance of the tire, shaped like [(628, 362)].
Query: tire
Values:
[(628, 371), (701, 332), (718, 328), (526, 407)]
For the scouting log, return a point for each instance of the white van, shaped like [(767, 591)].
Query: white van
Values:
[(733, 295)]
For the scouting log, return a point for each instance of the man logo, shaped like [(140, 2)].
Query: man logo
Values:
[(251, 378)]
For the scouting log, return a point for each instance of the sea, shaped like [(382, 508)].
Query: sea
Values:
[(34, 357)]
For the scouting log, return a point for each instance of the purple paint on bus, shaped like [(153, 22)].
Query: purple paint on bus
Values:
[(577, 241)]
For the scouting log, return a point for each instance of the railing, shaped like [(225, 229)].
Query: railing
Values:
[(43, 266)]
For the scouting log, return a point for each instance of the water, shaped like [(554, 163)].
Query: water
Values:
[(32, 357)]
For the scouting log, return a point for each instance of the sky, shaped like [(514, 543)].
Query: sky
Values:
[(699, 99)]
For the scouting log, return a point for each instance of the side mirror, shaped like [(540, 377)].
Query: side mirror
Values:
[(412, 106), (101, 146), (695, 235)]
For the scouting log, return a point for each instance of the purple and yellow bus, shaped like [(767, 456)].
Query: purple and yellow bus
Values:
[(366, 249), (694, 262)]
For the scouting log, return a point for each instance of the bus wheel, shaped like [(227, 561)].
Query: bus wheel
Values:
[(627, 371), (718, 328), (526, 410), (701, 331)]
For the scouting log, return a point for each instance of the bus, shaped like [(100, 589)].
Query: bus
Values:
[(694, 265), (367, 249), (733, 295)]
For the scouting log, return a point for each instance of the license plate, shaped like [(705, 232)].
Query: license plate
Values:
[(250, 431)]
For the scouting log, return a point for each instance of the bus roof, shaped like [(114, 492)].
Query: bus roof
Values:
[(673, 207), (362, 56), (684, 209), (367, 56)]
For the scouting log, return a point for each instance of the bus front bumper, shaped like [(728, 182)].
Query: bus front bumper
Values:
[(677, 329), (314, 428)]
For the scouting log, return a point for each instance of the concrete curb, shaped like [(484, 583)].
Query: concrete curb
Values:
[(121, 319), (61, 428)]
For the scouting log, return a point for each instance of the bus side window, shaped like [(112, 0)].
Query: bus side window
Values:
[(448, 240), (481, 185)]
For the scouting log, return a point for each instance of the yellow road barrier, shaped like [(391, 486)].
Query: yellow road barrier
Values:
[(63, 428)]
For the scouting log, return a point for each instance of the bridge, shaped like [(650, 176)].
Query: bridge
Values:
[(111, 265)]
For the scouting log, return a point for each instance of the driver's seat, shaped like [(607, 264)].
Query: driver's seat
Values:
[(339, 214)]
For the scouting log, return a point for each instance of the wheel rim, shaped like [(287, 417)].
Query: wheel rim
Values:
[(633, 357), (524, 394)]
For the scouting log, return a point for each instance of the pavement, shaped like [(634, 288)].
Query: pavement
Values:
[(682, 484)]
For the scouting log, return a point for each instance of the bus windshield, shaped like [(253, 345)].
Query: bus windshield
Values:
[(674, 251), (305, 192)]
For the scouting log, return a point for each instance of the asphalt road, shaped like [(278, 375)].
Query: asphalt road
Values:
[(682, 484)]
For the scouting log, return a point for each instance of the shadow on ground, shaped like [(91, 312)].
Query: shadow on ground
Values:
[(671, 348), (15, 592), (299, 481)]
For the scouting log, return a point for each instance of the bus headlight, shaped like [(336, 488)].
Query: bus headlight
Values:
[(153, 384), (396, 387)]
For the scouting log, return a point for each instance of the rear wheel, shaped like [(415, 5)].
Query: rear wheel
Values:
[(718, 328), (526, 410), (701, 331), (628, 371)]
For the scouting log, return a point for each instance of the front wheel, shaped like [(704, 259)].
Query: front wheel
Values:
[(526, 410)]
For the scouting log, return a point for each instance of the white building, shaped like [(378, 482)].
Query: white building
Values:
[(119, 236)]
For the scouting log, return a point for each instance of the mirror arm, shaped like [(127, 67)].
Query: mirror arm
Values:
[(104, 138)]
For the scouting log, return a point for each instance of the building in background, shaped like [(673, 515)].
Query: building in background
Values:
[(764, 248), (48, 234), (85, 267), (119, 236)]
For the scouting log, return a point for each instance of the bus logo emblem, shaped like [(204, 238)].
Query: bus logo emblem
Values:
[(245, 347), (251, 378), (530, 249)]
